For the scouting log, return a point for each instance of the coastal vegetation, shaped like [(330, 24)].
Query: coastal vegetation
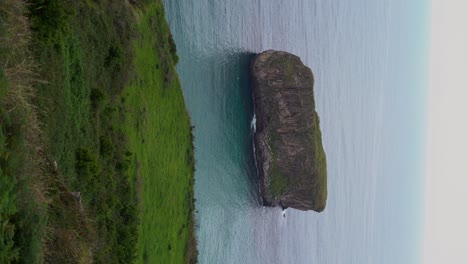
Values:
[(159, 133), (96, 151)]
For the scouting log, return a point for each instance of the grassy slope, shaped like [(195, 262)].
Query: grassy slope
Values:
[(82, 49), (159, 132), (85, 52)]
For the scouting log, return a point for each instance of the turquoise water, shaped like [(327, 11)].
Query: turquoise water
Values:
[(369, 61)]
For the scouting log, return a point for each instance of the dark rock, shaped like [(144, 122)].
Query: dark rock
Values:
[(288, 143)]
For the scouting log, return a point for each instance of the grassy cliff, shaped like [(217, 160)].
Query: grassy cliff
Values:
[(96, 148), (159, 132)]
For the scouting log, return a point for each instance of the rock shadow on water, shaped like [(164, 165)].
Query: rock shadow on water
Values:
[(243, 59)]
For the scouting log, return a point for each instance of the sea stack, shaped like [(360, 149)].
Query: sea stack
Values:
[(288, 143)]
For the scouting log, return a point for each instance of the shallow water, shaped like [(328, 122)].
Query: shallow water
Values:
[(368, 58)]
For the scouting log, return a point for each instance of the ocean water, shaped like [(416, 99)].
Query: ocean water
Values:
[(369, 58)]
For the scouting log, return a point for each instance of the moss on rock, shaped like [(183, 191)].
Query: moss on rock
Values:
[(289, 152)]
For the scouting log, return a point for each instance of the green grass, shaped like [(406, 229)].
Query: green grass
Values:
[(320, 161), (8, 250), (104, 103), (278, 183), (22, 213), (159, 132), (84, 53)]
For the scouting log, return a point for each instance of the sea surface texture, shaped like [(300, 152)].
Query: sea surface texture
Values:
[(369, 58)]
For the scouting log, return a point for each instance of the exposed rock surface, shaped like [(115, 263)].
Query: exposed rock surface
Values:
[(288, 143)]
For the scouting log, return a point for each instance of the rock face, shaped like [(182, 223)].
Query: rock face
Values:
[(290, 158)]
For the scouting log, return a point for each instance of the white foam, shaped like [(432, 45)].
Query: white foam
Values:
[(253, 123)]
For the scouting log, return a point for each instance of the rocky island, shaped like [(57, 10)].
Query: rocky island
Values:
[(290, 158)]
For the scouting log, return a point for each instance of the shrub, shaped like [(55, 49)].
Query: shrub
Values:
[(97, 97), (106, 147), (173, 49), (86, 165)]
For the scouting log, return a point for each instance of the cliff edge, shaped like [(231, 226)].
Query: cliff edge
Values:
[(290, 158)]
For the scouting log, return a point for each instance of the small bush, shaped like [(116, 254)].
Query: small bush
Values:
[(173, 49), (97, 97), (114, 59), (106, 147), (86, 166), (123, 165)]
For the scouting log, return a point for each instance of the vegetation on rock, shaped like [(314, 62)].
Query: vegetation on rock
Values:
[(289, 151)]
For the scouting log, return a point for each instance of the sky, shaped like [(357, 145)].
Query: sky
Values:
[(446, 188)]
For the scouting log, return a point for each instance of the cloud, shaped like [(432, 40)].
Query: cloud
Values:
[(446, 210)]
